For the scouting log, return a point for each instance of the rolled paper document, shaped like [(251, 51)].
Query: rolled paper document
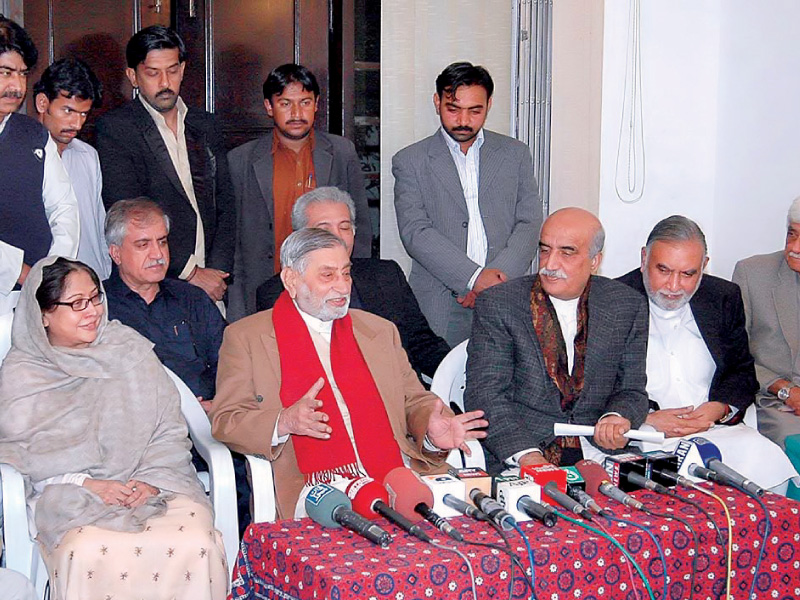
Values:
[(654, 437)]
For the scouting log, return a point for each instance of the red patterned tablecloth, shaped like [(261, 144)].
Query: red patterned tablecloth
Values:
[(301, 560)]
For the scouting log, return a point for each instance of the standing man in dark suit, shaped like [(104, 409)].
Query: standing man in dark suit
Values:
[(155, 146), (270, 173), (700, 374), (38, 209), (378, 286), (561, 346), (466, 201)]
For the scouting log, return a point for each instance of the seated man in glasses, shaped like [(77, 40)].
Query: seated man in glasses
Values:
[(179, 318)]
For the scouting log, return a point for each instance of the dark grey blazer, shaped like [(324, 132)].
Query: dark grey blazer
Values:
[(507, 377), (771, 304), (432, 217), (335, 163)]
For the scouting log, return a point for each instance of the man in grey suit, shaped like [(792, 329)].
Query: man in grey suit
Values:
[(561, 346), (466, 202), (270, 173), (770, 285)]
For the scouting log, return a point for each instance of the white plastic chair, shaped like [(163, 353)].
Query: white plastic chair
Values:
[(219, 481), (263, 484), (449, 383), (22, 554)]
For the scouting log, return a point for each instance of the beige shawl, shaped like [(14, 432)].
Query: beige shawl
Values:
[(108, 410)]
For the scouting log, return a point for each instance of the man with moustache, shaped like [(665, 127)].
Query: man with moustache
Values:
[(156, 146), (327, 393), (770, 285), (38, 209), (270, 173), (467, 205), (63, 97), (378, 286), (563, 346), (700, 374), (177, 317)]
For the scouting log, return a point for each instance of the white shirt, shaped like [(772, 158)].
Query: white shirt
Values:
[(83, 167), (61, 209), (179, 154), (679, 366), (468, 166)]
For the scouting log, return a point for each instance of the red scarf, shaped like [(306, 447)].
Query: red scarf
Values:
[(319, 460)]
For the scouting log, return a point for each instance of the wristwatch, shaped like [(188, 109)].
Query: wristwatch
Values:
[(783, 393)]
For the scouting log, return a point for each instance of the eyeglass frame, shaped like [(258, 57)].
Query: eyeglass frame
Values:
[(96, 300)]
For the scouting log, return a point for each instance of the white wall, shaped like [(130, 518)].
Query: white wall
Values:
[(419, 38), (721, 124)]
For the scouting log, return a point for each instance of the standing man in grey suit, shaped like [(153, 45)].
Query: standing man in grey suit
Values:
[(466, 201), (270, 173), (770, 285), (561, 346)]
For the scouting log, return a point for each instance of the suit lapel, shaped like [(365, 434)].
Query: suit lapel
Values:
[(373, 349), (444, 168), (152, 136), (270, 345), (491, 163), (704, 313), (785, 297), (323, 159), (601, 323), (262, 170), (369, 294)]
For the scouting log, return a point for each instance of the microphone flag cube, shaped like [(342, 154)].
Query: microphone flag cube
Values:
[(474, 477), (544, 474), (440, 486), (511, 489)]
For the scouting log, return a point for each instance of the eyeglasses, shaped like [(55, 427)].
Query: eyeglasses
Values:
[(81, 303)]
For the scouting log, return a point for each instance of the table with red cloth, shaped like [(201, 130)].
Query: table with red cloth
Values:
[(298, 559)]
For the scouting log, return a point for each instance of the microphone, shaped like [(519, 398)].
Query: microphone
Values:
[(643, 482), (493, 509), (538, 511), (412, 499), (673, 476), (465, 508), (520, 497), (723, 471), (329, 507), (406, 491), (597, 481), (551, 489), (369, 498), (439, 522), (587, 501)]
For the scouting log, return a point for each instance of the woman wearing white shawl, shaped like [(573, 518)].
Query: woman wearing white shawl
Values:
[(91, 419)]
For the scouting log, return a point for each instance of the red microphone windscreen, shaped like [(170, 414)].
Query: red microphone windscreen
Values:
[(406, 490), (363, 493), (593, 473)]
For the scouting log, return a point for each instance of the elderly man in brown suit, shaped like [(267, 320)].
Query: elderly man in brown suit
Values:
[(325, 393)]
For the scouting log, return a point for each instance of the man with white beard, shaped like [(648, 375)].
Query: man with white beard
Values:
[(327, 393), (700, 375)]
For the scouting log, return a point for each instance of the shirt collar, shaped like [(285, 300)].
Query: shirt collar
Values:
[(315, 324), (456, 147), (159, 118), (75, 146), (565, 307), (669, 315), (116, 285), (4, 121), (277, 143)]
